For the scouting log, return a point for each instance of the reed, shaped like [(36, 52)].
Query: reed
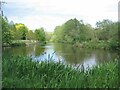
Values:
[(23, 72)]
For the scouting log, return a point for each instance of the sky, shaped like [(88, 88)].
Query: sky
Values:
[(51, 13)]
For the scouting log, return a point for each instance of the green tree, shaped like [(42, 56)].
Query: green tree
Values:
[(13, 30), (73, 31), (40, 35), (48, 36), (58, 34), (104, 28), (21, 31), (6, 35), (30, 35)]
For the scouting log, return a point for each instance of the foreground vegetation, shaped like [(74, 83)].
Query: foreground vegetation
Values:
[(19, 72)]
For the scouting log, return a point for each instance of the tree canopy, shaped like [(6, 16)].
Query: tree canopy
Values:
[(19, 31), (40, 34), (74, 31)]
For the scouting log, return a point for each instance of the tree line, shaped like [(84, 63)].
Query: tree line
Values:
[(19, 31), (76, 32), (72, 31)]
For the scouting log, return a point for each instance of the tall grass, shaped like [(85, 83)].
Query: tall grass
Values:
[(23, 72)]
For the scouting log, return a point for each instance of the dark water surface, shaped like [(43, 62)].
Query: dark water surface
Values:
[(62, 52)]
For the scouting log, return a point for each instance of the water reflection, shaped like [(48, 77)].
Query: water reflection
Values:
[(76, 55), (62, 52), (31, 50)]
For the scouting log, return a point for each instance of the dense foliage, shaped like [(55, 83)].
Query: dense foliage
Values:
[(73, 31), (40, 34), (6, 35), (48, 36), (21, 31), (77, 32), (22, 72), (13, 32)]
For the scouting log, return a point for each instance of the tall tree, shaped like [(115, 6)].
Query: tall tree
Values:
[(21, 31), (6, 35), (104, 29), (30, 35), (40, 34), (73, 31), (13, 30)]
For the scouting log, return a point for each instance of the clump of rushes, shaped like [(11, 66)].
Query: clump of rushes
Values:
[(23, 72)]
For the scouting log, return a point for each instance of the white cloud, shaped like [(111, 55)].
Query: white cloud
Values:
[(50, 13)]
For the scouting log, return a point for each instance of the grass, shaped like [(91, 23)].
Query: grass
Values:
[(25, 42), (17, 44), (109, 44), (94, 45), (23, 72)]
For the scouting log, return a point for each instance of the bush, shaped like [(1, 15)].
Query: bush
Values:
[(114, 44), (17, 44)]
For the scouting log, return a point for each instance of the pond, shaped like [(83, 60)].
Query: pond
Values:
[(62, 52)]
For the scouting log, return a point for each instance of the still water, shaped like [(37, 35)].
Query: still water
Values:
[(62, 52)]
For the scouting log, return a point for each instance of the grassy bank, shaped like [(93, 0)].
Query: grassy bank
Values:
[(22, 43), (16, 43), (112, 45), (19, 72)]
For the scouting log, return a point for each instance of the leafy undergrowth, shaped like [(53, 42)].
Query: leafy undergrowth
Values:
[(22, 72)]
